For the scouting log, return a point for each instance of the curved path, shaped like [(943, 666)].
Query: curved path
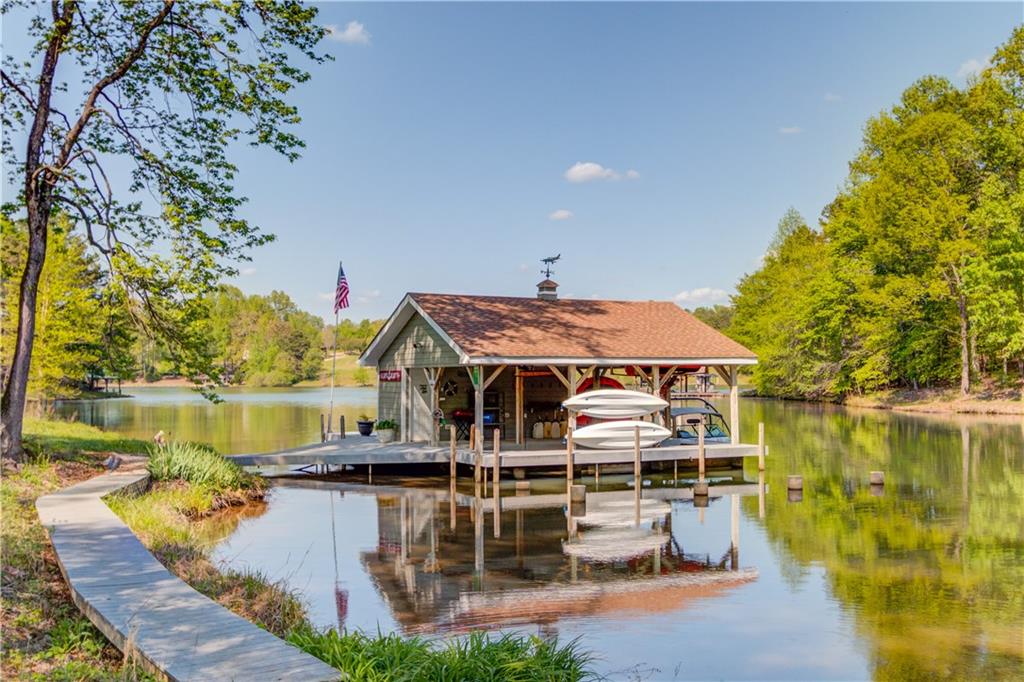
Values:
[(139, 605)]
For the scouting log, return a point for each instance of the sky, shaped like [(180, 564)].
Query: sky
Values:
[(655, 146)]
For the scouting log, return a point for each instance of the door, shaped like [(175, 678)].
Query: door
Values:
[(421, 416)]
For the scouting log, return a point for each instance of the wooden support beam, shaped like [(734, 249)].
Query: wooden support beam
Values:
[(668, 377), (494, 375), (642, 374), (520, 436), (559, 375), (734, 404), (657, 417)]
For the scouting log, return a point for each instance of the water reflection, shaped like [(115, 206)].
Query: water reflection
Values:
[(247, 421), (921, 578), (437, 578)]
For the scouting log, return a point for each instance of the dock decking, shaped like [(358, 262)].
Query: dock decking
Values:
[(140, 606), (362, 450)]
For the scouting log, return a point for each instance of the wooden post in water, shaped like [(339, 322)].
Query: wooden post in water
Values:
[(638, 481), (700, 451), (569, 464), (452, 461), (323, 434), (496, 467), (496, 482), (760, 446), (341, 426), (760, 495)]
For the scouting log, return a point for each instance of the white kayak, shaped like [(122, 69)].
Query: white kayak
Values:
[(612, 403), (619, 435)]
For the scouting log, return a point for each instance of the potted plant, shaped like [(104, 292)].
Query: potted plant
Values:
[(364, 424), (386, 430)]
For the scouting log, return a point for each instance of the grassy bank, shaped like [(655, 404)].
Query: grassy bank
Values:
[(178, 521), (989, 398), (45, 637)]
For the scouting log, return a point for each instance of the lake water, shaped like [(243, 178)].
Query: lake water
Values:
[(247, 421), (922, 579)]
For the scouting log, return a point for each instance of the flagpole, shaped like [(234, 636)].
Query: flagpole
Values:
[(334, 364)]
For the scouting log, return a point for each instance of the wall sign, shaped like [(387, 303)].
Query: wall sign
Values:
[(389, 375)]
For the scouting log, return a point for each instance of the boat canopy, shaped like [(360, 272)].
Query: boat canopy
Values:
[(680, 411)]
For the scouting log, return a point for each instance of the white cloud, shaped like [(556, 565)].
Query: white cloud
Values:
[(701, 296), (245, 272), (354, 33), (368, 296), (791, 130), (832, 97), (588, 171), (560, 214), (973, 67), (326, 295)]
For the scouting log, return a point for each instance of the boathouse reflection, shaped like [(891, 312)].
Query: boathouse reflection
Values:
[(440, 569)]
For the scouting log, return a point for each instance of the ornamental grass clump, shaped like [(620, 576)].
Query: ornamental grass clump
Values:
[(476, 657), (201, 466)]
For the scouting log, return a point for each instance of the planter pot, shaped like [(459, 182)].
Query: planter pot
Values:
[(386, 435), (365, 428)]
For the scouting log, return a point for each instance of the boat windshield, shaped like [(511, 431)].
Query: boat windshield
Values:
[(714, 425)]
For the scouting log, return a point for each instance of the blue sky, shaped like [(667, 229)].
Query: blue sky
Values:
[(441, 141)]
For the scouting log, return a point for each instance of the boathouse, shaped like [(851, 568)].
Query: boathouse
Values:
[(502, 362)]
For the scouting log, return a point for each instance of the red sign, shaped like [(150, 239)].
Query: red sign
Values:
[(389, 375)]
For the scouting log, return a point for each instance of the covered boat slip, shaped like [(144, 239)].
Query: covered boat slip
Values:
[(486, 364)]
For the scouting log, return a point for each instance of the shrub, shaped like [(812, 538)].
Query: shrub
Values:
[(200, 466)]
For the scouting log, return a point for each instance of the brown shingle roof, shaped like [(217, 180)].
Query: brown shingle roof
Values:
[(505, 326)]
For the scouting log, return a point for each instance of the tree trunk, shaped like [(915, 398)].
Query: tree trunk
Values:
[(13, 402), (38, 203), (965, 346)]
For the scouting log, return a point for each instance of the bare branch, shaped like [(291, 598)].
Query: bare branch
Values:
[(17, 88)]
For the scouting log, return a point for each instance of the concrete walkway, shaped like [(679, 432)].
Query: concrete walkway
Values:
[(139, 605)]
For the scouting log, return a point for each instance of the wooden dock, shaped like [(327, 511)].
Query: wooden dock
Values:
[(144, 610), (358, 450)]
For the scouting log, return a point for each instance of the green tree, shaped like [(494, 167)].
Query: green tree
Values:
[(717, 316), (81, 321), (169, 87), (917, 275)]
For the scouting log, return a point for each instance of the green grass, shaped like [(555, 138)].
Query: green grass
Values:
[(474, 658), (43, 437), (45, 637)]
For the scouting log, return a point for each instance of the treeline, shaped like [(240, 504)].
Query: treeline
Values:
[(88, 328), (83, 321), (915, 275)]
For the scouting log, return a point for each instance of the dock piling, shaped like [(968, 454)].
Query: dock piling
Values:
[(700, 450), (496, 471), (638, 479), (877, 478), (568, 459), (341, 426), (323, 434), (452, 463), (760, 446)]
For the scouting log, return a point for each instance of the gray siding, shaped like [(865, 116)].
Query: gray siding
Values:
[(433, 351)]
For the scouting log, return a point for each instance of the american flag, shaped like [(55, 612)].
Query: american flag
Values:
[(341, 293)]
